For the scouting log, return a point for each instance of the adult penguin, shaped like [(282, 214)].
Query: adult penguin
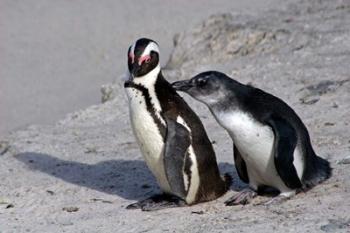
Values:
[(172, 138)]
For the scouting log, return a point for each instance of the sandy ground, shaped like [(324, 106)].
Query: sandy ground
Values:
[(56, 54), (79, 174)]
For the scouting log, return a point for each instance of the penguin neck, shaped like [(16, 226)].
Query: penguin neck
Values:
[(147, 86), (162, 85), (159, 91), (165, 93), (231, 97), (148, 80)]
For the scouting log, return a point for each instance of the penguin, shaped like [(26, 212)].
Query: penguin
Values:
[(272, 147), (171, 136)]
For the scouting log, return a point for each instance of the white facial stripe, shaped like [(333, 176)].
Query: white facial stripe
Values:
[(132, 50), (150, 47)]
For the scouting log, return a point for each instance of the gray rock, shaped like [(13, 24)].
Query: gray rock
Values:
[(108, 92), (345, 160), (222, 37), (4, 147), (336, 226)]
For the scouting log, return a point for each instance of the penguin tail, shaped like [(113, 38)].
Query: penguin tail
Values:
[(228, 181), (316, 172)]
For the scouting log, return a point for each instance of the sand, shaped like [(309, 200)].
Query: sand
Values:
[(79, 174)]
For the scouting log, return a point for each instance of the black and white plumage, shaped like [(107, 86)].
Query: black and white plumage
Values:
[(271, 144), (171, 137)]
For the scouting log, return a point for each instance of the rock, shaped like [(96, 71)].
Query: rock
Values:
[(309, 101), (108, 92), (9, 206), (4, 147), (70, 209), (3, 201), (326, 86), (222, 37), (335, 225), (198, 212), (101, 200), (50, 192), (91, 149), (345, 160)]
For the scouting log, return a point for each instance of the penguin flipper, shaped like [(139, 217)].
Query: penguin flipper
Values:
[(241, 167), (283, 150), (176, 145)]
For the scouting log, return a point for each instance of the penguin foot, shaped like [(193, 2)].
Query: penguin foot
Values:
[(158, 202), (275, 201), (241, 198)]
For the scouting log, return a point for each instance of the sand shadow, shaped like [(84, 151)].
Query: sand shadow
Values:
[(129, 179), (237, 183)]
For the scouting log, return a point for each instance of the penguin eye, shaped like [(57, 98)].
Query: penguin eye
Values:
[(145, 59), (201, 82)]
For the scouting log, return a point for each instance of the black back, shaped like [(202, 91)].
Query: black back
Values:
[(263, 106), (173, 106)]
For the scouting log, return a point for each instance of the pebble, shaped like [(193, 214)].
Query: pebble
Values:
[(345, 160), (4, 147), (334, 225), (70, 209)]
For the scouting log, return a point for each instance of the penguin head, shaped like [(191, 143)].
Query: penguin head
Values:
[(205, 87), (208, 87), (143, 58)]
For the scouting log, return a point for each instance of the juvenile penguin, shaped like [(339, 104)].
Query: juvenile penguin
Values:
[(171, 137), (272, 146)]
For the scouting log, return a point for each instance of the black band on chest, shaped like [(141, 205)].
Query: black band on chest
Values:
[(149, 105)]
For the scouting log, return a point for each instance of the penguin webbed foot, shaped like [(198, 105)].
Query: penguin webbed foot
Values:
[(158, 202), (279, 199), (275, 201), (241, 198)]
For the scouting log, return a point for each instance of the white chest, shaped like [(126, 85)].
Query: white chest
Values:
[(148, 135), (255, 143), (253, 139)]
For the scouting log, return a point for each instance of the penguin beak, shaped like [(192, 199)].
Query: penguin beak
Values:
[(183, 85), (135, 69)]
